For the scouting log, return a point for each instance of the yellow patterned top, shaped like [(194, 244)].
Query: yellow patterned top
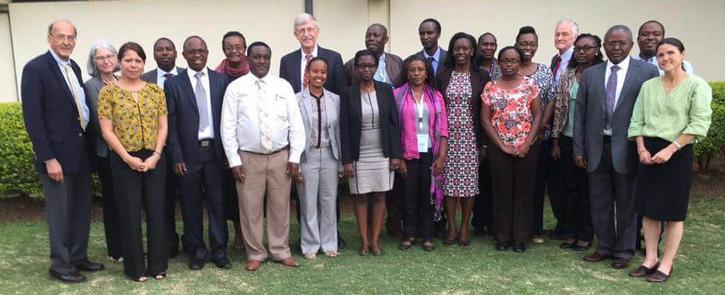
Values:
[(136, 124)]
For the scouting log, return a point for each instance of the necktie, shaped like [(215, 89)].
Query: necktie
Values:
[(168, 75), (557, 63), (265, 130), (430, 64), (200, 94), (70, 75), (611, 91), (306, 78)]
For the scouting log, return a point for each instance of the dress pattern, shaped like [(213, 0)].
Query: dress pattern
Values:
[(545, 81), (135, 122), (460, 175), (511, 118)]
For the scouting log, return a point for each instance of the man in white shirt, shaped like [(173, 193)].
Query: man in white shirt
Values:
[(263, 137), (649, 36), (566, 33)]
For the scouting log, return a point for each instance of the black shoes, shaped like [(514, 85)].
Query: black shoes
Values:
[(196, 264), (73, 277), (519, 247), (223, 263), (501, 246), (90, 266)]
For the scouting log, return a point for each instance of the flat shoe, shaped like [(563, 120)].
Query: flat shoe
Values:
[(659, 277), (449, 241), (377, 252), (643, 271), (331, 253), (406, 244), (428, 246), (160, 276)]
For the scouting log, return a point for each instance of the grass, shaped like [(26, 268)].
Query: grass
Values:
[(477, 269)]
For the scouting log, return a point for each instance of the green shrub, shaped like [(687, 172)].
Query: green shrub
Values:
[(714, 144), (718, 92), (17, 173)]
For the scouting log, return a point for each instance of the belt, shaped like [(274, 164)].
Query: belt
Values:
[(270, 153), (206, 142), (607, 138)]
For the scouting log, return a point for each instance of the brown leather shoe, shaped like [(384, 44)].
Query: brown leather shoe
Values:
[(596, 257), (620, 263), (253, 265), (643, 271), (289, 262), (659, 277)]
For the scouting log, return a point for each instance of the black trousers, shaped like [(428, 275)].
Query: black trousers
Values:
[(513, 194), (171, 195), (200, 185), (135, 190), (67, 209), (575, 194), (419, 207), (482, 218), (547, 181), (110, 213), (395, 203)]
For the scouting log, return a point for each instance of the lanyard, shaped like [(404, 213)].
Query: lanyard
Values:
[(419, 109)]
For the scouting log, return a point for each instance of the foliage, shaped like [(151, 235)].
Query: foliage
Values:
[(16, 167)]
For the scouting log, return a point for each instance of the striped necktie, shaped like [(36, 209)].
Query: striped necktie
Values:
[(70, 75)]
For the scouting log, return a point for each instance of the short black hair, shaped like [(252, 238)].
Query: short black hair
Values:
[(651, 22), (165, 39), (131, 46), (514, 48), (233, 34), (434, 21), (487, 34), (365, 52), (255, 44), (190, 38), (450, 61), (526, 30), (428, 68), (314, 59), (598, 58), (616, 28)]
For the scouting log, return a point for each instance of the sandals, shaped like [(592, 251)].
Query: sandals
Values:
[(428, 246), (377, 252), (142, 278), (331, 254), (406, 244), (363, 251), (450, 241), (160, 276)]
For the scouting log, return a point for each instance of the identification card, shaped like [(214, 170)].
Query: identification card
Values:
[(423, 140)]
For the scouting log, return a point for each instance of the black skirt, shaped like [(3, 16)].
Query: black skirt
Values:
[(662, 191)]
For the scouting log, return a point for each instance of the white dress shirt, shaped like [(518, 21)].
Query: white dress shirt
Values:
[(621, 76), (208, 132), (240, 118), (160, 79), (303, 65)]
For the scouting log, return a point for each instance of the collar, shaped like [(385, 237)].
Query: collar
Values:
[(58, 59), (435, 56), (192, 73), (567, 54), (317, 97), (162, 72), (623, 65), (314, 52)]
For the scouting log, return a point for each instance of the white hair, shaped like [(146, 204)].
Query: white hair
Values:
[(574, 25), (304, 18), (92, 68)]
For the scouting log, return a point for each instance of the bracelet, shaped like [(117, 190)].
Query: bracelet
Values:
[(157, 153), (677, 144)]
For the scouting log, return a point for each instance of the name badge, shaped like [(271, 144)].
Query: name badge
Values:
[(423, 140)]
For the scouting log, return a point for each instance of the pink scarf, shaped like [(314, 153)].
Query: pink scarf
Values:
[(224, 68)]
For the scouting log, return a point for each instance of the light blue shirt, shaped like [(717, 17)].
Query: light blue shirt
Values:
[(381, 74), (565, 58), (436, 59), (653, 60), (73, 83)]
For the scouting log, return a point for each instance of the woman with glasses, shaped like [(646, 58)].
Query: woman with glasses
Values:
[(102, 64), (511, 116), (370, 145), (575, 190)]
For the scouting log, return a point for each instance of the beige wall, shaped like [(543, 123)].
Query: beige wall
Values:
[(7, 70), (343, 22), (698, 23)]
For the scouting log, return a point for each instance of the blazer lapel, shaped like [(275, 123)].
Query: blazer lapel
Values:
[(216, 97), (188, 89), (307, 105), (600, 86), (627, 86), (296, 64), (53, 65)]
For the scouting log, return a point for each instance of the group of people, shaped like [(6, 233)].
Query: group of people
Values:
[(609, 138)]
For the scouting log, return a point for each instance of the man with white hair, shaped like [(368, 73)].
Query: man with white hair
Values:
[(292, 66), (566, 32)]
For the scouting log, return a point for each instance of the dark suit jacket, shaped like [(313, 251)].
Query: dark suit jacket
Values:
[(478, 80), (591, 110), (289, 69), (51, 117), (393, 67), (183, 142), (150, 76), (351, 122), (441, 63)]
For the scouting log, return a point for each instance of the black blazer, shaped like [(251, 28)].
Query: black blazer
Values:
[(351, 122), (51, 117), (478, 80), (441, 63), (150, 76), (183, 140), (289, 69)]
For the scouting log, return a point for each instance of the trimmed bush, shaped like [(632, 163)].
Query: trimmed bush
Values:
[(718, 92), (714, 144), (16, 153)]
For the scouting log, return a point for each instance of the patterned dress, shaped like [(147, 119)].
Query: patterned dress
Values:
[(511, 114), (545, 81), (460, 175)]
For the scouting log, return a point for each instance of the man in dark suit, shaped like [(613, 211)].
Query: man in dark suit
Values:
[(390, 66), (194, 101), (165, 57), (56, 115), (604, 103), (429, 32), (292, 68), (292, 65)]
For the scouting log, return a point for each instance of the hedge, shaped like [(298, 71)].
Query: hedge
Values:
[(18, 175)]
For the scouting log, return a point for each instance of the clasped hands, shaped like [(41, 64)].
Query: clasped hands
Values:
[(139, 165)]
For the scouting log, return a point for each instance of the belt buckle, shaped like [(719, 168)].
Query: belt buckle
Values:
[(204, 143)]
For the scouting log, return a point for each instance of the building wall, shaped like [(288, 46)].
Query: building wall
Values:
[(343, 22)]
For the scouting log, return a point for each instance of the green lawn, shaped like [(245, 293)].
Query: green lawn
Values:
[(477, 269)]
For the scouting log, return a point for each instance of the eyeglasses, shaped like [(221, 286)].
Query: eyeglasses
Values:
[(61, 38), (104, 58), (584, 48), (366, 66), (238, 48), (509, 62)]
